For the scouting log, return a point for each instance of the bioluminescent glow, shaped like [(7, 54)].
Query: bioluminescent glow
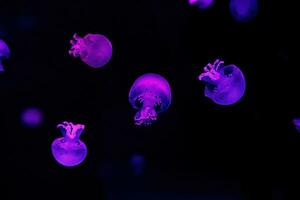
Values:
[(296, 122), (4, 54), (69, 150), (150, 94), (137, 163), (32, 117), (225, 85), (243, 10), (93, 49), (202, 4)]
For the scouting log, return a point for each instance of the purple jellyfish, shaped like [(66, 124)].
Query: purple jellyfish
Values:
[(32, 117), (243, 10), (4, 53), (225, 85), (296, 122), (150, 94), (93, 49), (202, 4), (69, 150), (137, 162)]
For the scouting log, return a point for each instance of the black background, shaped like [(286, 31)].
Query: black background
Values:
[(196, 149)]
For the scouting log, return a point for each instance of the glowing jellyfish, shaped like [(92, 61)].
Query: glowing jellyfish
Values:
[(202, 4), (243, 10), (69, 150), (32, 117), (137, 162), (93, 49), (297, 123), (225, 85), (150, 94), (4, 53)]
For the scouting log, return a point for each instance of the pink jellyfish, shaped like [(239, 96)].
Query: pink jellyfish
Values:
[(93, 49), (150, 94), (225, 85), (202, 4), (4, 53), (69, 150)]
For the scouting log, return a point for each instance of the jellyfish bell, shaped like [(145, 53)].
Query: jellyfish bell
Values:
[(150, 94), (202, 4), (225, 85), (243, 10), (296, 122), (4, 53), (32, 117), (93, 49), (69, 150), (137, 163)]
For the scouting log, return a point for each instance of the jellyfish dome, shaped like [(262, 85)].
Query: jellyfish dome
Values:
[(150, 94), (243, 10), (225, 85), (4, 53), (296, 122), (93, 49), (32, 117), (202, 4), (137, 162), (69, 150)]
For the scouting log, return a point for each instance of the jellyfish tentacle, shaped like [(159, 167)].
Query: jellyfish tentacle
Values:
[(211, 71), (70, 130), (77, 43)]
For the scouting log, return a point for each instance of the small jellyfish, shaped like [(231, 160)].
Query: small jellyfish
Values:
[(243, 10), (296, 122), (93, 49), (150, 94), (202, 4), (225, 85), (137, 163), (32, 117), (69, 150), (4, 53)]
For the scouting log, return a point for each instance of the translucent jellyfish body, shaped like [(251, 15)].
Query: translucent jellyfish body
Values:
[(225, 85), (243, 10), (150, 94), (4, 53), (32, 117), (296, 122), (93, 49), (202, 4), (137, 163), (69, 150)]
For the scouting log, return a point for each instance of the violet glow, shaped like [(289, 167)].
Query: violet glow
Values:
[(243, 10), (202, 4), (93, 49), (296, 122), (150, 94), (69, 150), (4, 53), (137, 162), (32, 117), (225, 85)]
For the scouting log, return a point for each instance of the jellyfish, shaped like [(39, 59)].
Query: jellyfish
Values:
[(93, 49), (243, 10), (32, 117), (150, 94), (69, 150), (137, 162), (225, 85), (4, 53), (202, 4), (296, 122)]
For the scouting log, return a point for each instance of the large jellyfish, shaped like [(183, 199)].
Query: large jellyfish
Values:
[(93, 49), (150, 94), (243, 10), (202, 4), (225, 85), (32, 117), (69, 150), (296, 122), (4, 53)]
